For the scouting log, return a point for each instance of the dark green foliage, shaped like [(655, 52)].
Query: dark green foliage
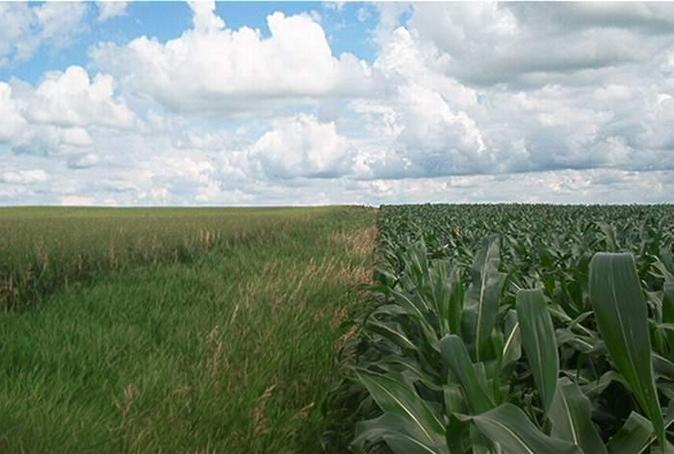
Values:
[(557, 336)]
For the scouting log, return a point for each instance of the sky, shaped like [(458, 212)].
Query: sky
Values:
[(335, 103)]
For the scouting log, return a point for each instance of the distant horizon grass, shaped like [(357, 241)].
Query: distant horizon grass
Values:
[(43, 248), (221, 343)]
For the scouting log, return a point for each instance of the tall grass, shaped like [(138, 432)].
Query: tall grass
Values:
[(43, 248), (231, 351)]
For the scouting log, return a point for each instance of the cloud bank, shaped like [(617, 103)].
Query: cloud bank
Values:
[(462, 102)]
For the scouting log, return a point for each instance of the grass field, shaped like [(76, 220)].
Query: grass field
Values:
[(196, 330)]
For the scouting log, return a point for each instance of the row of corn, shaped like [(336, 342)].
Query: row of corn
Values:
[(519, 329)]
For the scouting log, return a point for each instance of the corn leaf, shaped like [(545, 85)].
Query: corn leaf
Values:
[(668, 311), (396, 397), (621, 315), (538, 340), (510, 428), (633, 437), (400, 435), (512, 347), (571, 419), (455, 354), (483, 296)]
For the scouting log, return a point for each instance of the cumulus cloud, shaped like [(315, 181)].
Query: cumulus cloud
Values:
[(24, 28), (456, 103), (11, 122), (109, 9), (16, 43), (424, 126), (462, 102), (59, 23), (524, 44), (301, 146), (60, 114), (236, 68), (71, 98)]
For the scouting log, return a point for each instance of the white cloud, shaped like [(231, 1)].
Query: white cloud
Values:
[(67, 114), (238, 69), (11, 122), (16, 42), (24, 177), (24, 28), (532, 44), (204, 18), (302, 146), (84, 161), (462, 102), (109, 9), (71, 98), (59, 22), (436, 120)]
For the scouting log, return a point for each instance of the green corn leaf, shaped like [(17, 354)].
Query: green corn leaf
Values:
[(621, 315), (570, 415), (455, 354), (454, 401), (593, 389), (400, 435), (395, 397), (538, 340), (483, 296), (583, 344), (609, 234), (404, 444), (441, 289), (415, 309), (410, 368), (512, 347), (662, 367), (457, 432), (391, 332), (633, 437), (455, 302), (509, 427), (668, 311)]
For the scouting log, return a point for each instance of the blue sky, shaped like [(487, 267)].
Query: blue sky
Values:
[(168, 20), (245, 103)]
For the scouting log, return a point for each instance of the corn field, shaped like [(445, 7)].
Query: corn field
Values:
[(518, 329)]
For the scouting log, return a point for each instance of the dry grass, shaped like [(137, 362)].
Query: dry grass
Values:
[(362, 242)]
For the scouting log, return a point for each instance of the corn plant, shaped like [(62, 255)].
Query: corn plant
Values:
[(555, 335)]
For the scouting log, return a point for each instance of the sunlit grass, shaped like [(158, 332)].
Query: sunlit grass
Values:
[(229, 351)]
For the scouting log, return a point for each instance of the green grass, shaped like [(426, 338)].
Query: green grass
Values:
[(45, 248), (228, 348)]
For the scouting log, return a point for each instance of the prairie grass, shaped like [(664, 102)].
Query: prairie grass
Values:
[(229, 349), (45, 248)]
